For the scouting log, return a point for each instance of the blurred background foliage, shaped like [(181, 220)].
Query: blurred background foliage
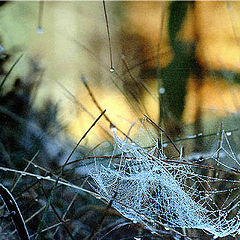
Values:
[(177, 62)]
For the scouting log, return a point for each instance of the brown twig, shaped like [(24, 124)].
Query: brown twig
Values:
[(84, 80), (155, 125)]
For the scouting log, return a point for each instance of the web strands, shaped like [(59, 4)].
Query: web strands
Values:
[(152, 191)]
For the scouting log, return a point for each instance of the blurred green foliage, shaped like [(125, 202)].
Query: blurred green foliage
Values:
[(174, 77)]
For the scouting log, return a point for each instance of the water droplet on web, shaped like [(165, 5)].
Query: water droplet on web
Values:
[(228, 133), (208, 195), (192, 136), (134, 221), (39, 177), (215, 237), (39, 30), (167, 229), (112, 69), (161, 90), (98, 197), (48, 177), (165, 145)]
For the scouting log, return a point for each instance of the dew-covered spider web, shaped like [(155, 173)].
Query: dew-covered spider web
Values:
[(155, 189)]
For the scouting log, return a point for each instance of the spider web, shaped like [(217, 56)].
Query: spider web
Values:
[(156, 190)]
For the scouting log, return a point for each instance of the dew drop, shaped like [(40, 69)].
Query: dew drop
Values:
[(2, 49), (193, 136), (39, 30), (112, 69), (215, 237), (84, 79), (113, 128), (166, 228), (39, 177), (98, 197), (134, 221), (165, 145), (123, 56), (228, 133), (161, 90)]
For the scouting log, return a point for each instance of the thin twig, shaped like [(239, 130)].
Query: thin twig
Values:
[(40, 16), (85, 134), (109, 37), (137, 82), (97, 228), (84, 80), (10, 70), (60, 175), (15, 213), (170, 140), (79, 104), (58, 216), (25, 169)]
